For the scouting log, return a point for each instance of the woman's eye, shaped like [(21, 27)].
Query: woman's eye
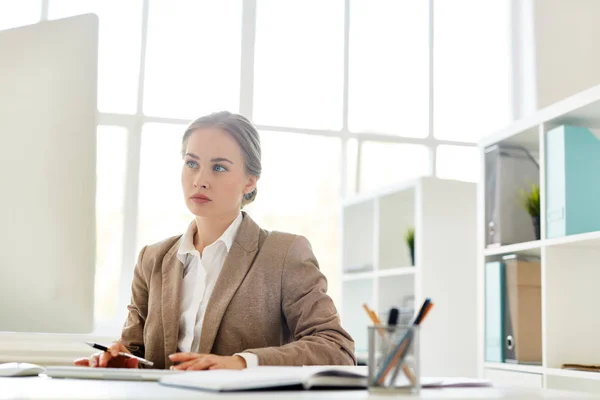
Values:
[(219, 168), (191, 164)]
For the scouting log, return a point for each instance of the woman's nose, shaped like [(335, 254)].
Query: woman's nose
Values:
[(201, 180)]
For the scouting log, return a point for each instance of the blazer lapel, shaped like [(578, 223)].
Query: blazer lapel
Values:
[(236, 266), (172, 276)]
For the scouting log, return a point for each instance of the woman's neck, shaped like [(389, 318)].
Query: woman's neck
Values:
[(210, 229)]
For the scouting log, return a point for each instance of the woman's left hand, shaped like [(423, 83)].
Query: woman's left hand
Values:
[(196, 361)]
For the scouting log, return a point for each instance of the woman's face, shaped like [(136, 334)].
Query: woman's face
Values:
[(214, 178)]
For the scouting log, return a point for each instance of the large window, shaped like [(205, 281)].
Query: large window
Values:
[(111, 164), (119, 48), (346, 101), (389, 67), (192, 57), (299, 60)]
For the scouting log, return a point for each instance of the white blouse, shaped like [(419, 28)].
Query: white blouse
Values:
[(200, 275)]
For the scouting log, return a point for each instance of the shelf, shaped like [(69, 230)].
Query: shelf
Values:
[(356, 276), (360, 198), (396, 271), (532, 369), (536, 369), (586, 240), (583, 240), (573, 374), (527, 248), (358, 227), (396, 216), (580, 109), (569, 264)]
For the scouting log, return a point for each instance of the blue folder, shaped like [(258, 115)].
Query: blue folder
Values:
[(572, 181), (494, 311)]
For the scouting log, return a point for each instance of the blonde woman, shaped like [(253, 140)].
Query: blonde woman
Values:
[(227, 294)]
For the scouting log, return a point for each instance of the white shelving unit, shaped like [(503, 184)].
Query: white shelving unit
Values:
[(377, 270), (570, 267)]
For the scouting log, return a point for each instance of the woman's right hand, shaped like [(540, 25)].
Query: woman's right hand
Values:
[(108, 359)]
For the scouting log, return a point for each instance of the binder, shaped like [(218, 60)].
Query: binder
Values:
[(572, 181), (494, 315)]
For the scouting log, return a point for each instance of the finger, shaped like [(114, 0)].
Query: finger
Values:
[(105, 357), (204, 363), (82, 362), (178, 357), (131, 363), (94, 359), (117, 347), (185, 365)]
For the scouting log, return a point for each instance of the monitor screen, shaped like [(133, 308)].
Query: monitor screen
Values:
[(48, 85)]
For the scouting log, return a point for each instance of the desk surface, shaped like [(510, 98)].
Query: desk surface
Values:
[(48, 388)]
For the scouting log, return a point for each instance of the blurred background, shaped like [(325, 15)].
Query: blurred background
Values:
[(349, 97)]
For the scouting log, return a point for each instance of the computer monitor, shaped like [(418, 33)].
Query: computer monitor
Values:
[(48, 85)]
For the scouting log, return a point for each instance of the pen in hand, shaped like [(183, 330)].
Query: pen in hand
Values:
[(121, 353)]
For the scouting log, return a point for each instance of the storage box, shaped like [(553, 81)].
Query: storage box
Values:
[(508, 169)]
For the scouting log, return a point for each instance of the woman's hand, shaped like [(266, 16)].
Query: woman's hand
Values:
[(108, 359), (196, 361)]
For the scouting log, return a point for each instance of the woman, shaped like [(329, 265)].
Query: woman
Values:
[(227, 294)]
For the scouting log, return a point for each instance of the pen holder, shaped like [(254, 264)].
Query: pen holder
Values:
[(393, 361)]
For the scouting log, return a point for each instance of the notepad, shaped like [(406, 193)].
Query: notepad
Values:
[(300, 378)]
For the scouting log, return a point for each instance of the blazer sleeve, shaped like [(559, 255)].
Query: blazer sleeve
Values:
[(310, 314), (132, 335)]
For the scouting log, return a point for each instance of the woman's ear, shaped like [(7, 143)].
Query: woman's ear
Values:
[(251, 184)]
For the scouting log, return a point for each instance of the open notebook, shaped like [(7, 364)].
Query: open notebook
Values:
[(295, 378)]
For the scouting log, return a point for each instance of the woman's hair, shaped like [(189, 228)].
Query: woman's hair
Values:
[(244, 133)]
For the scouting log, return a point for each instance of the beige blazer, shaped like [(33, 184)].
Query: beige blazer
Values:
[(270, 299)]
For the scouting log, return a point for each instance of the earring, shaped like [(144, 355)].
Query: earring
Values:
[(248, 196)]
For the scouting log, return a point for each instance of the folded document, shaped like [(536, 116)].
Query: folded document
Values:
[(263, 378)]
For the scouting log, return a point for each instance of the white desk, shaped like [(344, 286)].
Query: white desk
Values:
[(47, 388)]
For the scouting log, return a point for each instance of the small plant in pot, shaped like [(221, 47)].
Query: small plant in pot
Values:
[(531, 203), (409, 237)]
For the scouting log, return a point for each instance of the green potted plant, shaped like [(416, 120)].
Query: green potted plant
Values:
[(530, 200), (409, 237)]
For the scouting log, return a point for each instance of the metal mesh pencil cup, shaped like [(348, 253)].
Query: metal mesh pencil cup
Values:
[(393, 361)]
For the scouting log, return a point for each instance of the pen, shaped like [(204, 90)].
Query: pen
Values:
[(397, 356), (392, 320), (417, 322), (121, 353)]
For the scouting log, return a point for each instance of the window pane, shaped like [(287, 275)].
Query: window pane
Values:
[(15, 13), (299, 63), (458, 162), (193, 57), (384, 164), (472, 68), (161, 208), (299, 192), (111, 156), (389, 67), (119, 48)]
